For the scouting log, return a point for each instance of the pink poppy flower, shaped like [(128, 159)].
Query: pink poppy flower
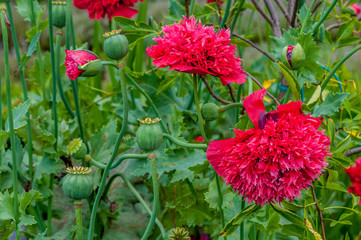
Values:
[(97, 9), (190, 47), (77, 64), (278, 158), (354, 173)]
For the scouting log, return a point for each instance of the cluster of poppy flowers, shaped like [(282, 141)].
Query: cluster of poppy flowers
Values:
[(284, 152)]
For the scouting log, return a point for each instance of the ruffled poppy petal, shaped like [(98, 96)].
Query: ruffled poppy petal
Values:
[(254, 106)]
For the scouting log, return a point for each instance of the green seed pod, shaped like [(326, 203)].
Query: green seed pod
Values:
[(210, 111), (293, 56), (59, 14), (116, 46), (77, 149), (149, 135), (78, 184)]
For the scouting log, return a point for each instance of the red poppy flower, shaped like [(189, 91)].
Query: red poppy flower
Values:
[(75, 60), (190, 47), (97, 9), (278, 158), (354, 173)]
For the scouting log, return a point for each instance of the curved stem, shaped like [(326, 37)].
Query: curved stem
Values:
[(196, 102), (136, 85), (11, 122), (184, 144), (137, 195), (79, 225), (230, 106), (57, 63), (25, 92), (110, 63), (112, 158), (156, 199), (119, 161), (335, 76), (333, 71), (212, 93), (324, 16)]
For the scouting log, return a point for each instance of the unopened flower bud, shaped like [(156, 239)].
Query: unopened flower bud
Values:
[(59, 13), (82, 63), (77, 149), (293, 56), (353, 10), (210, 111), (149, 135), (116, 46)]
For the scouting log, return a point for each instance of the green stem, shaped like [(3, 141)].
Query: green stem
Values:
[(25, 92), (232, 105), (149, 228), (119, 161), (77, 112), (196, 102), (112, 158), (140, 49), (68, 24), (308, 16), (58, 79), (323, 17), (240, 7), (110, 63), (241, 227), (184, 144), (72, 32), (226, 12), (54, 74), (96, 48), (220, 201), (50, 204), (238, 98), (191, 7), (338, 65), (136, 85), (77, 206), (11, 122), (39, 218)]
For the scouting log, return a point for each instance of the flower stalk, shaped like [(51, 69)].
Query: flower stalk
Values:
[(25, 91), (11, 122), (112, 158), (196, 102), (79, 225), (149, 228)]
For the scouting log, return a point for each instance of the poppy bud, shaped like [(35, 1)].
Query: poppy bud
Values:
[(116, 46), (353, 10), (78, 184), (59, 13), (149, 135), (77, 149), (210, 111), (293, 56), (321, 33), (82, 63)]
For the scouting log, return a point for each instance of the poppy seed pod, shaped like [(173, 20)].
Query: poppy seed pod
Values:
[(293, 56), (149, 135), (59, 13), (116, 46), (78, 184), (210, 111)]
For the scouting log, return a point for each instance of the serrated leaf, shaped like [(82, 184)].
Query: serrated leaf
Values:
[(130, 25), (290, 216), (23, 9), (234, 223), (27, 220), (18, 115), (26, 198), (291, 79), (211, 196), (6, 206), (330, 106), (41, 235), (348, 42), (344, 31), (182, 174)]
